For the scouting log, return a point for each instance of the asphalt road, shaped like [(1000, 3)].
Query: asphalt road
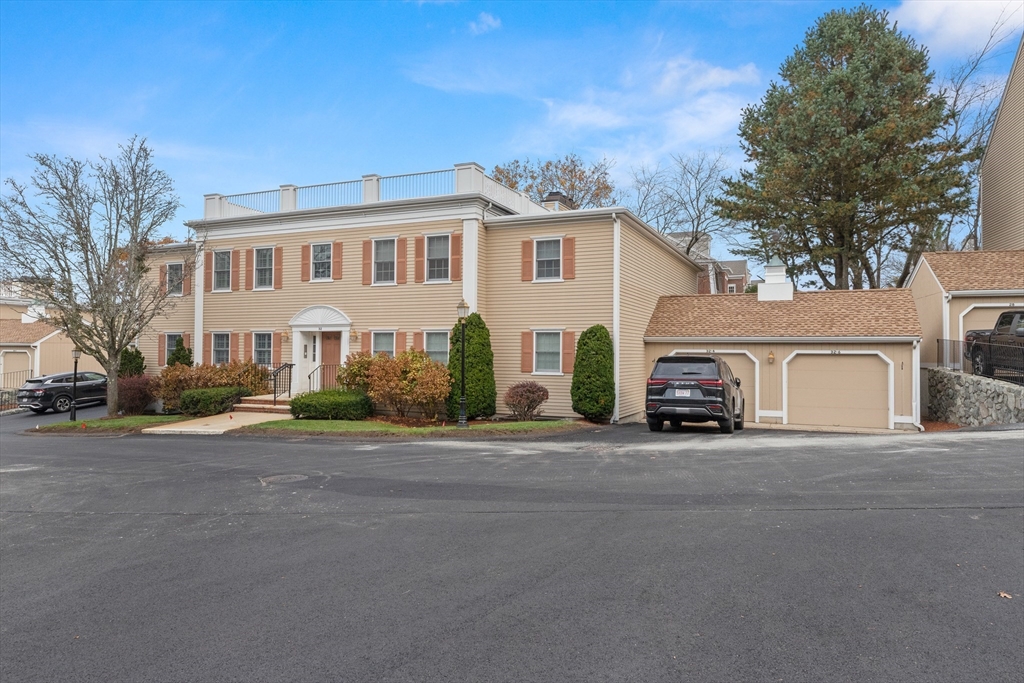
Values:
[(609, 555)]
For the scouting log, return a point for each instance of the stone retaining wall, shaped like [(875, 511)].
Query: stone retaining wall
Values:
[(972, 401)]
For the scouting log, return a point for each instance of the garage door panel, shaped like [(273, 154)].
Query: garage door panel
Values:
[(978, 319), (838, 390)]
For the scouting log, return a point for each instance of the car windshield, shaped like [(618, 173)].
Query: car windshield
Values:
[(677, 369)]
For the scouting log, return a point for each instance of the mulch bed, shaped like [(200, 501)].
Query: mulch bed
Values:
[(932, 426)]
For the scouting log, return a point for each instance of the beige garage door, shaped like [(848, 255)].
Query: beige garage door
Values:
[(843, 391), (978, 319)]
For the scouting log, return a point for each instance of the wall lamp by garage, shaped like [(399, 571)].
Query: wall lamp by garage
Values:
[(771, 357)]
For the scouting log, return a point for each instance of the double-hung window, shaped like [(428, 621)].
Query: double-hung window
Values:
[(175, 278), (384, 261), (264, 268), (221, 348), (221, 271), (437, 258), (172, 341), (436, 346), (548, 258), (322, 261), (262, 345), (383, 342), (547, 354)]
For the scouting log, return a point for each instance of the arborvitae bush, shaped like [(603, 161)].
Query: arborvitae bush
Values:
[(593, 375), (524, 399), (132, 363), (481, 392), (181, 354)]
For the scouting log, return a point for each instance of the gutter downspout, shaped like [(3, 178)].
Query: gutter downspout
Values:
[(917, 386), (616, 307)]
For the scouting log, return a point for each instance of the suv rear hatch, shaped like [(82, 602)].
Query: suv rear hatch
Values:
[(685, 385)]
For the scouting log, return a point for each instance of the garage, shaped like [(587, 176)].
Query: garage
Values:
[(838, 390), (744, 368)]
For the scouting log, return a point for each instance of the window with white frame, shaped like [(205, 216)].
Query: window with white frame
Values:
[(221, 348), (383, 261), (175, 278), (732, 289), (548, 256), (322, 261), (547, 352), (436, 346), (437, 258), (264, 268), (171, 341), (262, 343), (221, 271), (383, 342)]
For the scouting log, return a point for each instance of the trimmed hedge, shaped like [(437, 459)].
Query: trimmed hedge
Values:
[(481, 391), (332, 404), (213, 401), (593, 375)]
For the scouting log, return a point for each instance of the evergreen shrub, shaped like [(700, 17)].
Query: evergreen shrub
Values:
[(481, 391), (181, 354), (332, 404), (212, 401), (132, 363), (593, 375)]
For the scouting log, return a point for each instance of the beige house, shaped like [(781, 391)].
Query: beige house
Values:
[(1002, 168), (307, 275), (957, 291), (832, 358)]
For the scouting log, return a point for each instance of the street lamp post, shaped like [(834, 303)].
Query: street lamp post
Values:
[(76, 353), (463, 310)]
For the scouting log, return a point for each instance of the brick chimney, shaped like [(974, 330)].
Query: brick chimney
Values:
[(556, 201)]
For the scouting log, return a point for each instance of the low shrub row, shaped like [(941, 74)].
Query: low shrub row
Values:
[(332, 404), (212, 401), (403, 382), (178, 378)]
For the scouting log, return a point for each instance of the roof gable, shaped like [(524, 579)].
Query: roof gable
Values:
[(17, 332), (959, 271)]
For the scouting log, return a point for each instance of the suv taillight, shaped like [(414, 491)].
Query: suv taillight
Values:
[(710, 382), (657, 382)]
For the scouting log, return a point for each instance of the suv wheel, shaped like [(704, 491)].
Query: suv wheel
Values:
[(62, 404), (739, 420), (727, 425), (978, 361), (655, 425)]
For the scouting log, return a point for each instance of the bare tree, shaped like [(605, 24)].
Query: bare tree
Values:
[(586, 185), (680, 198), (79, 236)]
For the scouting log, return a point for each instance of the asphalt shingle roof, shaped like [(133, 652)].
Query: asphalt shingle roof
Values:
[(959, 271), (17, 332)]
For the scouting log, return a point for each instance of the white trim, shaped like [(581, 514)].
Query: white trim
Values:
[(167, 275), (312, 262), (786, 340), (213, 346), (988, 292), (916, 374), (447, 334), (616, 307), (199, 291), (265, 288), (815, 352), (757, 371), (168, 348), (373, 260), (771, 413), (550, 330), (945, 323), (394, 340), (426, 258), (231, 264), (7, 352), (561, 259), (252, 336), (988, 305)]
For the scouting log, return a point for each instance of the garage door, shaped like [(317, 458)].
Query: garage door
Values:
[(841, 391), (742, 368), (978, 319)]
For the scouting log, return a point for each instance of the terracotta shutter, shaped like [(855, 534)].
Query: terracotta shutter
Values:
[(367, 339), (568, 258), (233, 350), (526, 360), (420, 267), (417, 341), (305, 263), (400, 346), (527, 251), (208, 272), (401, 260), (456, 263), (367, 262), (186, 284), (186, 339), (207, 347), (568, 351), (161, 349), (163, 281), (236, 263), (275, 353), (250, 268), (278, 267), (336, 253), (247, 344)]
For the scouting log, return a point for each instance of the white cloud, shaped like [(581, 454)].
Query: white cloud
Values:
[(484, 24), (956, 26)]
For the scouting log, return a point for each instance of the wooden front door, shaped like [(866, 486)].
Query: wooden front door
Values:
[(330, 359)]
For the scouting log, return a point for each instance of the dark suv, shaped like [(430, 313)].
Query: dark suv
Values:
[(693, 389), (54, 391)]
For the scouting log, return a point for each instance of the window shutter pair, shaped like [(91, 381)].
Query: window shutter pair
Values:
[(163, 282), (401, 261), (207, 347), (400, 338), (568, 352), (568, 259), (417, 341), (454, 264), (208, 271), (161, 349)]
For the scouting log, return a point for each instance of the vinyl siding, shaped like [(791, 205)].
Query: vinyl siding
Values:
[(928, 298), (1002, 172), (514, 306), (179, 316), (648, 270), (982, 316), (55, 356)]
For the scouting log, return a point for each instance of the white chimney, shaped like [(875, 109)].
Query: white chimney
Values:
[(775, 287), (35, 313)]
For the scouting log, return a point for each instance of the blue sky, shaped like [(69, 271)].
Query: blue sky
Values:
[(244, 96)]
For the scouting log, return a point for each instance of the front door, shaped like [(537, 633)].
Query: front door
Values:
[(330, 359)]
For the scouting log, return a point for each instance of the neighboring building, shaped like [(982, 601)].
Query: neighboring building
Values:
[(1002, 168), (737, 277), (833, 358), (307, 275), (956, 291), (716, 277)]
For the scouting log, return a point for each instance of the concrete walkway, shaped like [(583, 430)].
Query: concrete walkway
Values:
[(215, 424)]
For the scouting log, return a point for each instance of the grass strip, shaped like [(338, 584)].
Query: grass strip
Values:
[(132, 423), (372, 428)]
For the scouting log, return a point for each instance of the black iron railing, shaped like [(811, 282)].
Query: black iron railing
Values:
[(998, 361), (324, 377), (281, 380)]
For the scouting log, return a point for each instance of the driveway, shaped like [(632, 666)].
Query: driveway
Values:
[(612, 554)]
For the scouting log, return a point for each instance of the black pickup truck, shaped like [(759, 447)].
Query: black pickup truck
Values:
[(1001, 348)]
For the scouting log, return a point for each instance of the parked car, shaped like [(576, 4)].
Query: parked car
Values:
[(694, 389), (55, 391), (1001, 348)]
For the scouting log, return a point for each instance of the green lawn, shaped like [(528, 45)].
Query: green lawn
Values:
[(317, 427), (113, 424)]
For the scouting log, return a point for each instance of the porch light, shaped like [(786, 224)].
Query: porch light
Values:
[(463, 309), (771, 357), (76, 353)]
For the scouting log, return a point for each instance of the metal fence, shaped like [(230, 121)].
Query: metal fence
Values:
[(412, 185), (251, 203), (329, 194), (324, 377), (998, 361), (10, 382)]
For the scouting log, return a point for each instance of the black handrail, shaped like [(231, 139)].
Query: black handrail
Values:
[(282, 375), (331, 378)]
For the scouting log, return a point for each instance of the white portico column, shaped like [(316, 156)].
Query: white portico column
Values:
[(471, 262)]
